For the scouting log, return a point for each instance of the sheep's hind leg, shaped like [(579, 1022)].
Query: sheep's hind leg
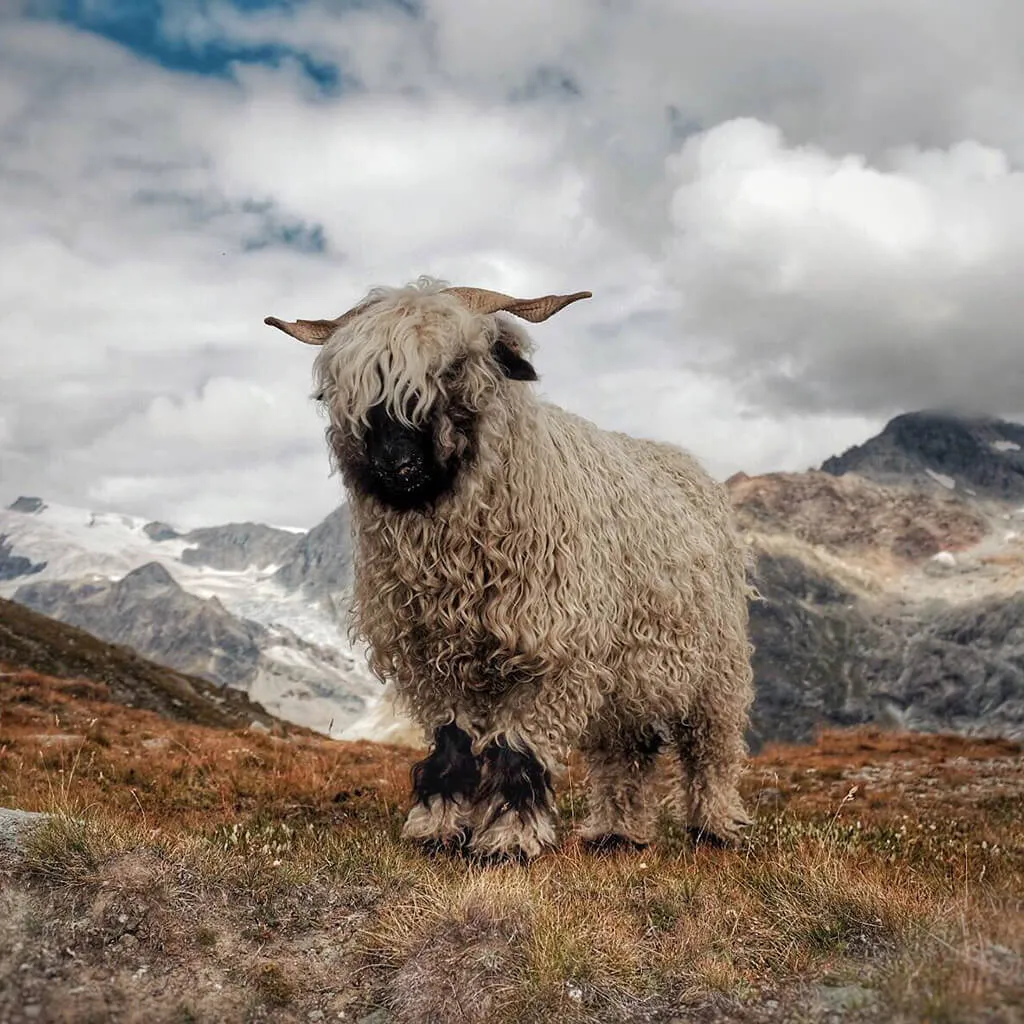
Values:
[(621, 802), (712, 752), (514, 812), (444, 784)]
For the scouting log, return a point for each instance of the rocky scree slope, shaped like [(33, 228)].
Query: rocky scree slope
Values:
[(895, 603)]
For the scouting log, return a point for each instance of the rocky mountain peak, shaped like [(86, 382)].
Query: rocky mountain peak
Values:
[(979, 456), (28, 505), (151, 576)]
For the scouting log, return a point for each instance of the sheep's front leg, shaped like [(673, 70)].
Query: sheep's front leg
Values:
[(444, 784), (621, 768), (514, 814)]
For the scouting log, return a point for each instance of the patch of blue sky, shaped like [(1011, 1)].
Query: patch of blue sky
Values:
[(141, 26), (252, 224)]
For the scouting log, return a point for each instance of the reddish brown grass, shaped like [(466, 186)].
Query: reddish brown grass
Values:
[(260, 876)]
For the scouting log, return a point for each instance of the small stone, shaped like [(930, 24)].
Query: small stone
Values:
[(15, 826), (844, 998), (315, 1015), (377, 1017), (32, 1011)]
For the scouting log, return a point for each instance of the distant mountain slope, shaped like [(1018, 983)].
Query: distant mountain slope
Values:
[(825, 656), (852, 514), (238, 546), (35, 642), (981, 456), (320, 565), (149, 611), (205, 601)]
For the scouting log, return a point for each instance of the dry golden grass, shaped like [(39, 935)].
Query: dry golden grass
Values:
[(195, 873)]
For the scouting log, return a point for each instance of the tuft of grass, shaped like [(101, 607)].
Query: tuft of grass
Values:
[(64, 850), (273, 984)]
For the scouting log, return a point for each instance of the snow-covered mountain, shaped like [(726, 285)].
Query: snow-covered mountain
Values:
[(255, 607)]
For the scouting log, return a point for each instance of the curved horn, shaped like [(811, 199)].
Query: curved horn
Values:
[(313, 332), (480, 300)]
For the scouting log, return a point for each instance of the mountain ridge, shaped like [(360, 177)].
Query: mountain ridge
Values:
[(979, 456), (33, 642)]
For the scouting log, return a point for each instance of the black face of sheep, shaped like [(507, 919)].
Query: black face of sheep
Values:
[(398, 464)]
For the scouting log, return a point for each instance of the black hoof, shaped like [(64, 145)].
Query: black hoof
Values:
[(612, 842), (702, 837)]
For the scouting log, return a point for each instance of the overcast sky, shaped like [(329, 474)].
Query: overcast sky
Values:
[(797, 220)]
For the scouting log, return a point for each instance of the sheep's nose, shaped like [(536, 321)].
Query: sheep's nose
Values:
[(403, 464)]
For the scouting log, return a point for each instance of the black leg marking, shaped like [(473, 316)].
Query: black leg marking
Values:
[(512, 781), (450, 770)]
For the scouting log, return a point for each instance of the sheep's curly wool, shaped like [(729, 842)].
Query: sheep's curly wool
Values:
[(577, 587)]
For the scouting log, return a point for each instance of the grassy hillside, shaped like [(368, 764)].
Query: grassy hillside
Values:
[(208, 874), (29, 640)]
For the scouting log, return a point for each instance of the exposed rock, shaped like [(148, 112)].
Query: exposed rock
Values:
[(15, 826), (851, 514), (160, 531), (817, 653), (12, 566), (321, 564), (964, 670), (825, 658), (28, 505), (936, 450), (238, 546)]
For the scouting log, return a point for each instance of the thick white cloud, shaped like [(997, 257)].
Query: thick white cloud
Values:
[(838, 285), (796, 220)]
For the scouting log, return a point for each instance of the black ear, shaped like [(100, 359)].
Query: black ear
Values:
[(512, 364)]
